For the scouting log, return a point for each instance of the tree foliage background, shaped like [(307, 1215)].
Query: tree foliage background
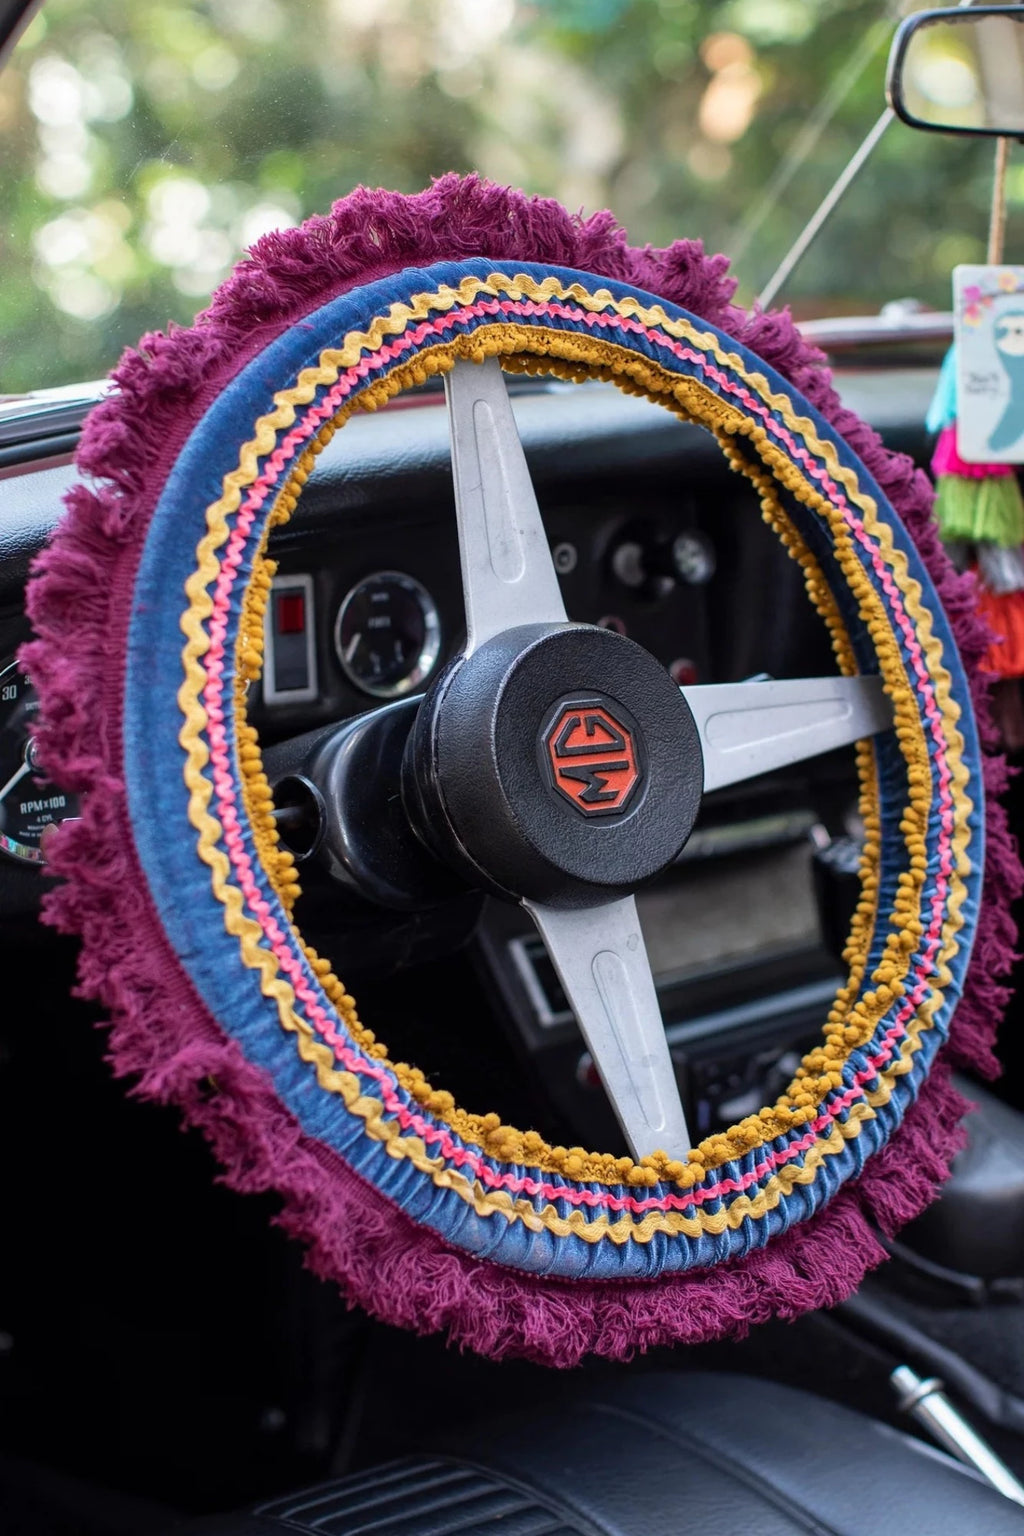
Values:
[(147, 142)]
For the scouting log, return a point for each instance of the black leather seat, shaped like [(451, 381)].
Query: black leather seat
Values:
[(659, 1455)]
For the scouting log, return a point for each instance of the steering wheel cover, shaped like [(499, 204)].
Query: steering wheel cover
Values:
[(154, 633), (549, 1222)]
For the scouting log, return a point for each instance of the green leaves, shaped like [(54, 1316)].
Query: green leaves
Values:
[(146, 142)]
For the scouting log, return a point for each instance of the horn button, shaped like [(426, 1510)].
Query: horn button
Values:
[(595, 754), (557, 763)]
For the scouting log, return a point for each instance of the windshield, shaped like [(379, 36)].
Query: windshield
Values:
[(145, 145)]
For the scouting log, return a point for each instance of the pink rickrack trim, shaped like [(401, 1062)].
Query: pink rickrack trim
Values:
[(279, 941)]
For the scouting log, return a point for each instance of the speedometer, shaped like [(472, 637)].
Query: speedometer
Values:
[(28, 802), (388, 634)]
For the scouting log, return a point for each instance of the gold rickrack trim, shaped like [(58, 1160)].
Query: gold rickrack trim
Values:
[(488, 1131), (803, 1098), (855, 951), (904, 922), (257, 800), (374, 1106), (806, 1092)]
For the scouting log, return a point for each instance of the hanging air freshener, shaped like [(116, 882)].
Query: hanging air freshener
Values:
[(988, 307), (980, 513), (978, 502)]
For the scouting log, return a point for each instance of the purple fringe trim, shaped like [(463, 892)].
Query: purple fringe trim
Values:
[(162, 1036)]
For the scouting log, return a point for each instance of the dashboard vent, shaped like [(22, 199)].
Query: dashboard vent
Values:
[(417, 1498)]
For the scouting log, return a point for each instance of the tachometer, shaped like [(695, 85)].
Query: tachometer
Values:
[(387, 634), (28, 802)]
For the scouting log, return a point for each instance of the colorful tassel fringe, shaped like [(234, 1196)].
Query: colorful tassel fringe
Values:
[(946, 460), (976, 508), (979, 510), (1005, 614)]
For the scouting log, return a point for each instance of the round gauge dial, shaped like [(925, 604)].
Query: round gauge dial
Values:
[(387, 634), (28, 802)]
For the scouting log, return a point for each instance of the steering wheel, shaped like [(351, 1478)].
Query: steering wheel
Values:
[(555, 764)]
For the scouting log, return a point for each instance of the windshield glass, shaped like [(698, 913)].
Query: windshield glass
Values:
[(147, 142)]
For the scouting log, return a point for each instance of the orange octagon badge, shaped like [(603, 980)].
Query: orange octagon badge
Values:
[(593, 758)]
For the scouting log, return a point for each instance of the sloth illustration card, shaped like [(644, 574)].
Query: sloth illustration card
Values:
[(988, 313)]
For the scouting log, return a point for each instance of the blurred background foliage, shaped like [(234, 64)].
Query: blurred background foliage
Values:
[(146, 143)]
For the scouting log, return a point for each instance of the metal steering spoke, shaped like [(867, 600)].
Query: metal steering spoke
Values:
[(750, 728), (601, 960), (507, 575)]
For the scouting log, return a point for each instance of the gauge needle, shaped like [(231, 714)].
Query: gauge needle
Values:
[(353, 646), (14, 779)]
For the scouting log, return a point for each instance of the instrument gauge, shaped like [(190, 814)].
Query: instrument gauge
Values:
[(29, 803), (388, 634)]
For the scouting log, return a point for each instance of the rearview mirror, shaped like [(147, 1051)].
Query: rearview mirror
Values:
[(960, 71)]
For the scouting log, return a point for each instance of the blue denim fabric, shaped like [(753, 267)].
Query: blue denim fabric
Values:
[(180, 882)]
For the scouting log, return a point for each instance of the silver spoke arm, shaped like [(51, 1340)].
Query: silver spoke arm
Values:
[(750, 728), (507, 575), (602, 963)]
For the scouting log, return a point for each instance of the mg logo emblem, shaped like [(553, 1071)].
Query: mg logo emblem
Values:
[(593, 757)]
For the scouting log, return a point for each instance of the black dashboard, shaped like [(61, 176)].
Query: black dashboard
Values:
[(652, 535)]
